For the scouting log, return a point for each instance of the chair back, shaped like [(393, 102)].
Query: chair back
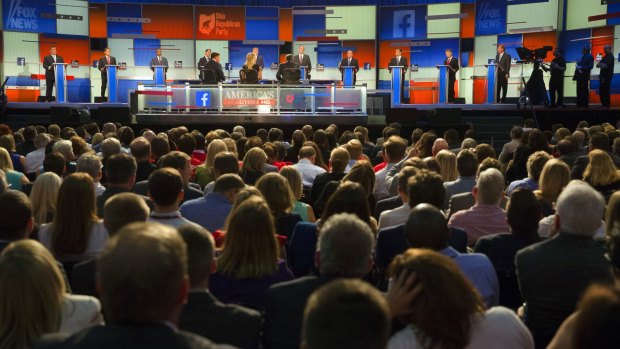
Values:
[(291, 76), (248, 76)]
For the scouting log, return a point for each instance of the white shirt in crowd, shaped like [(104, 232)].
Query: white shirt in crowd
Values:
[(395, 216), (97, 239), (381, 190), (308, 171), (34, 160)]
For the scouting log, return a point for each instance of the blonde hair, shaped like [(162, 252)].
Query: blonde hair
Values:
[(231, 145), (612, 213), (250, 247), (215, 147), (554, 177), (601, 169), (277, 193), (254, 160), (250, 60), (294, 180), (5, 160), (31, 294), (43, 197), (447, 165)]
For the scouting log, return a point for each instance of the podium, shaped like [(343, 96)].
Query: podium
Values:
[(304, 72), (491, 83), (397, 84), (442, 82), (159, 74), (112, 71), (60, 75), (347, 75)]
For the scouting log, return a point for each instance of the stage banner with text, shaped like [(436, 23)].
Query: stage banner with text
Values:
[(491, 17), (37, 16), (220, 23)]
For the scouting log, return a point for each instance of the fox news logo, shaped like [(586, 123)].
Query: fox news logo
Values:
[(203, 99), (21, 18), (404, 24)]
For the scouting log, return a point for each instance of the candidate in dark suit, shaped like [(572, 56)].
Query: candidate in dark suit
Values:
[(556, 82), (204, 314), (349, 62), (453, 67), (554, 273), (143, 299), (582, 76), (287, 65), (346, 251), (50, 71), (201, 63), (605, 76), (214, 64), (259, 59), (159, 60), (502, 59), (399, 61), (103, 62), (303, 60)]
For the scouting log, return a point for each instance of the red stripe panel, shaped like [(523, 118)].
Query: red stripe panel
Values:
[(37, 76), (318, 38), (154, 93), (604, 16)]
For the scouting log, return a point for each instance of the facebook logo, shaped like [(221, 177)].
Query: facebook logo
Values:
[(203, 99), (404, 24)]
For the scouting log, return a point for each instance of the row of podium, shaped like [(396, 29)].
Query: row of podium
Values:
[(397, 84)]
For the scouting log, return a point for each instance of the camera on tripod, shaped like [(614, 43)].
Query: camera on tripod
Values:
[(532, 56)]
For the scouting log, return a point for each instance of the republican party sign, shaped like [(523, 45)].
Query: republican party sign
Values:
[(37, 16), (491, 17), (220, 23)]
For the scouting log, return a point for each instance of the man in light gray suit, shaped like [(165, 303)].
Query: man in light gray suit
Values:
[(303, 60), (159, 60)]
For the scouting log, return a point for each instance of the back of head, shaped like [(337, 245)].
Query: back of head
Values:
[(294, 180), (395, 148), (110, 146), (175, 159), (523, 212), (484, 151), (403, 178), (427, 227), (345, 246), (122, 209), (15, 215), (339, 159), (159, 146), (354, 147), (536, 162), (466, 163), (64, 148), (165, 184), (426, 187), (598, 318), (140, 148), (350, 197), (516, 132), (306, 152), (599, 141), (200, 252), (41, 140), (277, 192), (346, 314), (254, 160), (228, 181), (580, 209), (89, 163), (225, 162), (120, 168), (490, 187), (601, 169), (362, 173), (54, 162), (142, 271)]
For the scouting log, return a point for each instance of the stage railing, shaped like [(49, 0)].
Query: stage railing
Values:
[(251, 99)]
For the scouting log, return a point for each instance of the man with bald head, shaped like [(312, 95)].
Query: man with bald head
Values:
[(427, 228)]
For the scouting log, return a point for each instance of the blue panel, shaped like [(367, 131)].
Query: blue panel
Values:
[(512, 42), (465, 59), (124, 10), (262, 29), (28, 16), (290, 3), (612, 8), (572, 49), (125, 85), (330, 54), (78, 90), (521, 2), (434, 54), (22, 81), (491, 17), (144, 51), (302, 23), (408, 22), (237, 52)]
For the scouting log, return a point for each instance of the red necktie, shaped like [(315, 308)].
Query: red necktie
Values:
[(108, 59)]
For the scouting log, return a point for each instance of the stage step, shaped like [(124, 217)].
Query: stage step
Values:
[(494, 130)]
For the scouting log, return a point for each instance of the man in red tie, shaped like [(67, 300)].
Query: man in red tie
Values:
[(102, 66), (453, 64)]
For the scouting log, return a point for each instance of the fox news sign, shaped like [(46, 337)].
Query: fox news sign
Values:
[(29, 16)]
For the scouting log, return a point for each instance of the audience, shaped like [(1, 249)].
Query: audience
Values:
[(120, 172), (34, 159), (554, 177), (43, 196), (306, 166), (304, 210), (253, 165), (141, 150), (399, 215), (14, 178), (16, 221), (91, 164), (467, 165), (166, 191), (602, 174), (393, 152), (535, 164)]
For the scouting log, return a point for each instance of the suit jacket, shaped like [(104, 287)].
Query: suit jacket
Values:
[(260, 62), (503, 65), (48, 65), (284, 311), (454, 66), (215, 66), (111, 191), (402, 63), (83, 278), (607, 74), (354, 63), (121, 336), (190, 191), (387, 204), (284, 66), (222, 323), (552, 276), (155, 61), (305, 62), (102, 65), (584, 67)]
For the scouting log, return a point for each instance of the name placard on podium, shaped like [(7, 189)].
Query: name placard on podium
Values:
[(112, 71), (347, 75), (304, 72), (491, 82), (442, 82), (397, 84), (61, 81), (159, 74)]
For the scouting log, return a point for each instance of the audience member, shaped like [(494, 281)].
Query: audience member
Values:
[(466, 164), (225, 162), (16, 217), (166, 191), (44, 195), (253, 165), (14, 178), (279, 197), (91, 164), (399, 215), (349, 198), (338, 162), (54, 162), (141, 150), (204, 172), (602, 174), (598, 141), (27, 146), (509, 148), (447, 165), (393, 152), (554, 177), (535, 164), (304, 210), (306, 166), (120, 171), (34, 159)]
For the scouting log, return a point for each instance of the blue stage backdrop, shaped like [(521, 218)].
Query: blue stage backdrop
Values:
[(37, 16), (491, 17), (402, 23)]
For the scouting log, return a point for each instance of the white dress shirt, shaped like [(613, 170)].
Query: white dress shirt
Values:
[(381, 190), (308, 171), (34, 160), (395, 216), (97, 239)]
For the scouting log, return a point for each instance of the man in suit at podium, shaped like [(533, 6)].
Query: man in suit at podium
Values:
[(202, 61), (399, 61), (50, 71), (159, 60), (582, 76), (286, 65), (303, 60), (502, 59), (214, 64), (349, 62), (103, 62), (259, 59), (453, 67)]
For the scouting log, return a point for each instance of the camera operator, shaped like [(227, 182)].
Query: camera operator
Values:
[(556, 83)]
